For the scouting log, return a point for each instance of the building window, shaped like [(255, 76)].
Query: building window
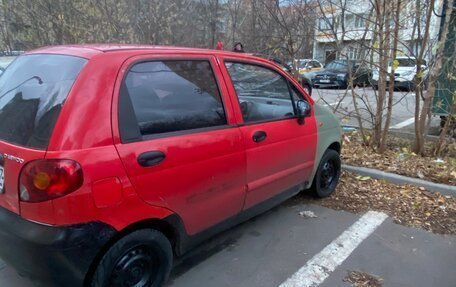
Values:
[(352, 53), (360, 21), (325, 23), (415, 47), (349, 21)]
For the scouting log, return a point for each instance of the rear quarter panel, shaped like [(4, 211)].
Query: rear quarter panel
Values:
[(85, 119)]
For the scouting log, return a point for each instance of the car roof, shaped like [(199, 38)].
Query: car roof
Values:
[(90, 50)]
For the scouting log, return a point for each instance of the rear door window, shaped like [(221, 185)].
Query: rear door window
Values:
[(32, 92), (170, 96)]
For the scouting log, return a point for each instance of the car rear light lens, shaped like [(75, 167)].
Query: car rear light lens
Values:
[(43, 180)]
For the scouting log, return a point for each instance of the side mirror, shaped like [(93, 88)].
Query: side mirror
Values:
[(303, 109)]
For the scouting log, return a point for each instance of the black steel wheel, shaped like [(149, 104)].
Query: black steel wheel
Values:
[(327, 175), (142, 258), (137, 267)]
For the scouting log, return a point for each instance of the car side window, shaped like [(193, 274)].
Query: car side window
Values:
[(263, 94), (297, 96), (172, 95)]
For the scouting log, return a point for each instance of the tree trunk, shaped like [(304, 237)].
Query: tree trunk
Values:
[(383, 65), (394, 8), (420, 119)]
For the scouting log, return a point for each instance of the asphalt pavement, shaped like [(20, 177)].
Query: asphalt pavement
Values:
[(272, 248), (342, 102)]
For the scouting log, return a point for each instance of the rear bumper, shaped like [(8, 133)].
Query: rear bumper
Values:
[(53, 256)]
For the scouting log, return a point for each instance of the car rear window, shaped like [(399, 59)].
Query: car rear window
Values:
[(32, 92)]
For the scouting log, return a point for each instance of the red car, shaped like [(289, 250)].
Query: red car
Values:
[(113, 159)]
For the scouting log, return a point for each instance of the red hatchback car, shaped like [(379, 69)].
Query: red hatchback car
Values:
[(114, 159)]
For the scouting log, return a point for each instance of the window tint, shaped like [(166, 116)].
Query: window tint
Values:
[(32, 92), (168, 96), (262, 93)]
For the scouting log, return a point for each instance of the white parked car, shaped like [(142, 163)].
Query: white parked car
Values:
[(404, 73), (307, 65)]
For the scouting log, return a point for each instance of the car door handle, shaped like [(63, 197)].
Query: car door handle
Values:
[(151, 158), (259, 136)]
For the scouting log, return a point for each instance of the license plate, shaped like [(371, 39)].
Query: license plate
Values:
[(2, 179), (325, 81)]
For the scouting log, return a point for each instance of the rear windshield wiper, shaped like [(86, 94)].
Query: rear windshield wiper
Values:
[(40, 82)]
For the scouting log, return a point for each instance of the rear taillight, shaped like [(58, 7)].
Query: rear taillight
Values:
[(47, 179)]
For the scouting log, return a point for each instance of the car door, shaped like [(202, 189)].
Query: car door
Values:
[(177, 138), (280, 151)]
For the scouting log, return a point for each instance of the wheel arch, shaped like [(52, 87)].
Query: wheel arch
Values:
[(171, 226), (321, 148), (335, 146)]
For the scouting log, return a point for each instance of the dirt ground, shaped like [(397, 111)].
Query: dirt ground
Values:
[(400, 160)]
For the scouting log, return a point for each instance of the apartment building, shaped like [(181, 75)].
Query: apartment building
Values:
[(346, 29)]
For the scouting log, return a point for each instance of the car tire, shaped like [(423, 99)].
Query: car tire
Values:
[(141, 258), (327, 175)]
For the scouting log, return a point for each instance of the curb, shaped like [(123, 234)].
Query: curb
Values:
[(400, 179)]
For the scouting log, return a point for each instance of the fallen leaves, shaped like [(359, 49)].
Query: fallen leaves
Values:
[(407, 204), (363, 279), (362, 178), (400, 160)]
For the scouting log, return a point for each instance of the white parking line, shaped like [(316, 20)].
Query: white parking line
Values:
[(321, 265), (404, 123)]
